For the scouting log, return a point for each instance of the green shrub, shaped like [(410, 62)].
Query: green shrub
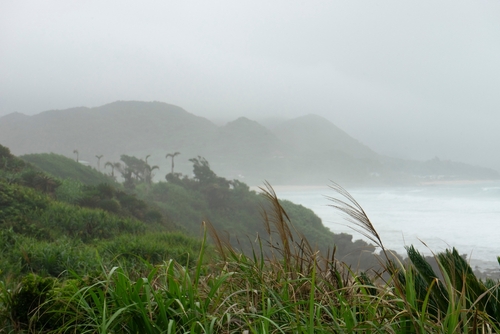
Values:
[(110, 205), (29, 301), (155, 248), (58, 258), (87, 224), (70, 191)]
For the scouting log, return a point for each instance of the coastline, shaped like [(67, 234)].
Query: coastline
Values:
[(455, 182), (302, 187), (426, 214), (291, 187)]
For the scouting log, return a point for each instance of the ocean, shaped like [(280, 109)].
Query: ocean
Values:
[(430, 217)]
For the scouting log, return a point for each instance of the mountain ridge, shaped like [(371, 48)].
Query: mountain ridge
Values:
[(305, 132), (306, 150)]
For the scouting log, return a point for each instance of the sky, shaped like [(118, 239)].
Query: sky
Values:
[(411, 79)]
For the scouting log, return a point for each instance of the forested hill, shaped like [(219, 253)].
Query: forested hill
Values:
[(305, 150)]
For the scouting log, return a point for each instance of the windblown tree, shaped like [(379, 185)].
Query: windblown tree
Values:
[(148, 170), (131, 171), (202, 171), (99, 162), (148, 173), (76, 152), (135, 171), (172, 155), (114, 165)]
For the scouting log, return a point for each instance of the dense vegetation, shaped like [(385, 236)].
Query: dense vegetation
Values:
[(51, 226), (183, 203), (99, 258)]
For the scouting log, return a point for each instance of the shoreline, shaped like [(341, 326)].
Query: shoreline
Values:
[(300, 187), (455, 182), (291, 187)]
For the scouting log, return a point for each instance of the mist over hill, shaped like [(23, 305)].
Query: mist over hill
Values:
[(110, 130), (313, 133), (304, 150)]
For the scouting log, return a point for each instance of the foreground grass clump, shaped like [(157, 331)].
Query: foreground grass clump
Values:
[(64, 257), (288, 287)]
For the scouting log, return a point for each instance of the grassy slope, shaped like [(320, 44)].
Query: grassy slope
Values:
[(41, 234), (239, 215), (64, 168)]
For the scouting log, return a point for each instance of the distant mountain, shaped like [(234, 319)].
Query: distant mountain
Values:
[(313, 133), (243, 148), (245, 138), (110, 130), (14, 117), (305, 150)]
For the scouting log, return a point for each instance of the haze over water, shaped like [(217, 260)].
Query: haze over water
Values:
[(463, 216)]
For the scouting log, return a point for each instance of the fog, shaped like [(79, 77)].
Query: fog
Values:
[(412, 80)]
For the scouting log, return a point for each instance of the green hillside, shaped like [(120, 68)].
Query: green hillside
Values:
[(53, 227), (65, 168), (181, 204)]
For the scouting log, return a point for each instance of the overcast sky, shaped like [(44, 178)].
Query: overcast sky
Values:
[(413, 79)]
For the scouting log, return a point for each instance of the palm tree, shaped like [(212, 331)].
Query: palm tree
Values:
[(99, 162), (148, 171), (112, 165), (148, 177), (76, 152), (173, 155), (46, 183)]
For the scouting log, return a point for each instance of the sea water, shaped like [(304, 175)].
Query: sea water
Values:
[(431, 217)]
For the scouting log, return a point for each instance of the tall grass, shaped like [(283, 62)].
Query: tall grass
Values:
[(284, 286)]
